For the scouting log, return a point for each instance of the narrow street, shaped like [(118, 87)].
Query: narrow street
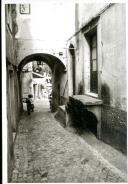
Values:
[(44, 151), (77, 132)]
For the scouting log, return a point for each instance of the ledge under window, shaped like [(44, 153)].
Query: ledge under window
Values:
[(88, 100), (95, 95)]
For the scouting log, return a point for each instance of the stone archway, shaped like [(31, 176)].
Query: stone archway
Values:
[(57, 68)]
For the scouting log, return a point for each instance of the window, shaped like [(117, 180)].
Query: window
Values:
[(91, 57), (93, 64)]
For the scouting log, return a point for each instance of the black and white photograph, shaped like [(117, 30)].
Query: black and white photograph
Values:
[(64, 91)]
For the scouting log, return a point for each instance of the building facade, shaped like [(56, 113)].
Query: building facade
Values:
[(13, 101), (97, 65), (22, 49)]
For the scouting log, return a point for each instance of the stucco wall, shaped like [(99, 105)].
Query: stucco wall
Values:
[(111, 46), (10, 46), (31, 46), (70, 66), (113, 36), (91, 10), (113, 77), (11, 27), (64, 88), (12, 82), (78, 62), (28, 40), (29, 43), (10, 129), (112, 51), (28, 46)]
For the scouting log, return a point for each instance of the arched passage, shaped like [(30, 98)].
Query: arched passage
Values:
[(57, 68), (50, 60)]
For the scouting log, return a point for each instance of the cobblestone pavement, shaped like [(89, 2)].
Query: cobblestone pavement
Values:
[(45, 152)]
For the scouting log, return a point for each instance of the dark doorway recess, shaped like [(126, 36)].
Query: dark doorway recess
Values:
[(72, 52), (92, 122)]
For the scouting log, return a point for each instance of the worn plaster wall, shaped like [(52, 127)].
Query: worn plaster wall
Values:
[(78, 72), (113, 34), (70, 70), (63, 88), (12, 82), (55, 89), (113, 49), (29, 42), (9, 129), (113, 87), (28, 45), (111, 39), (91, 10)]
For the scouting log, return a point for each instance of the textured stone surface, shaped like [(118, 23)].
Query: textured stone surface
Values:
[(87, 100), (46, 152), (114, 127)]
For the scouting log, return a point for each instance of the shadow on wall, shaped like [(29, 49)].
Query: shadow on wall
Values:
[(114, 123), (80, 88), (105, 94), (92, 122), (80, 117)]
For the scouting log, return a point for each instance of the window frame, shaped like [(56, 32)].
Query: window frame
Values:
[(91, 27), (92, 86)]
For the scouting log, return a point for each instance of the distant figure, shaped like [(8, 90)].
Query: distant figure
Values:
[(30, 104)]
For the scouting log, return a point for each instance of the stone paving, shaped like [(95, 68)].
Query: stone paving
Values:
[(45, 152)]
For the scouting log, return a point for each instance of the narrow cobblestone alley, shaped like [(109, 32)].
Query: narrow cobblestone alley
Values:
[(77, 132), (46, 152)]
